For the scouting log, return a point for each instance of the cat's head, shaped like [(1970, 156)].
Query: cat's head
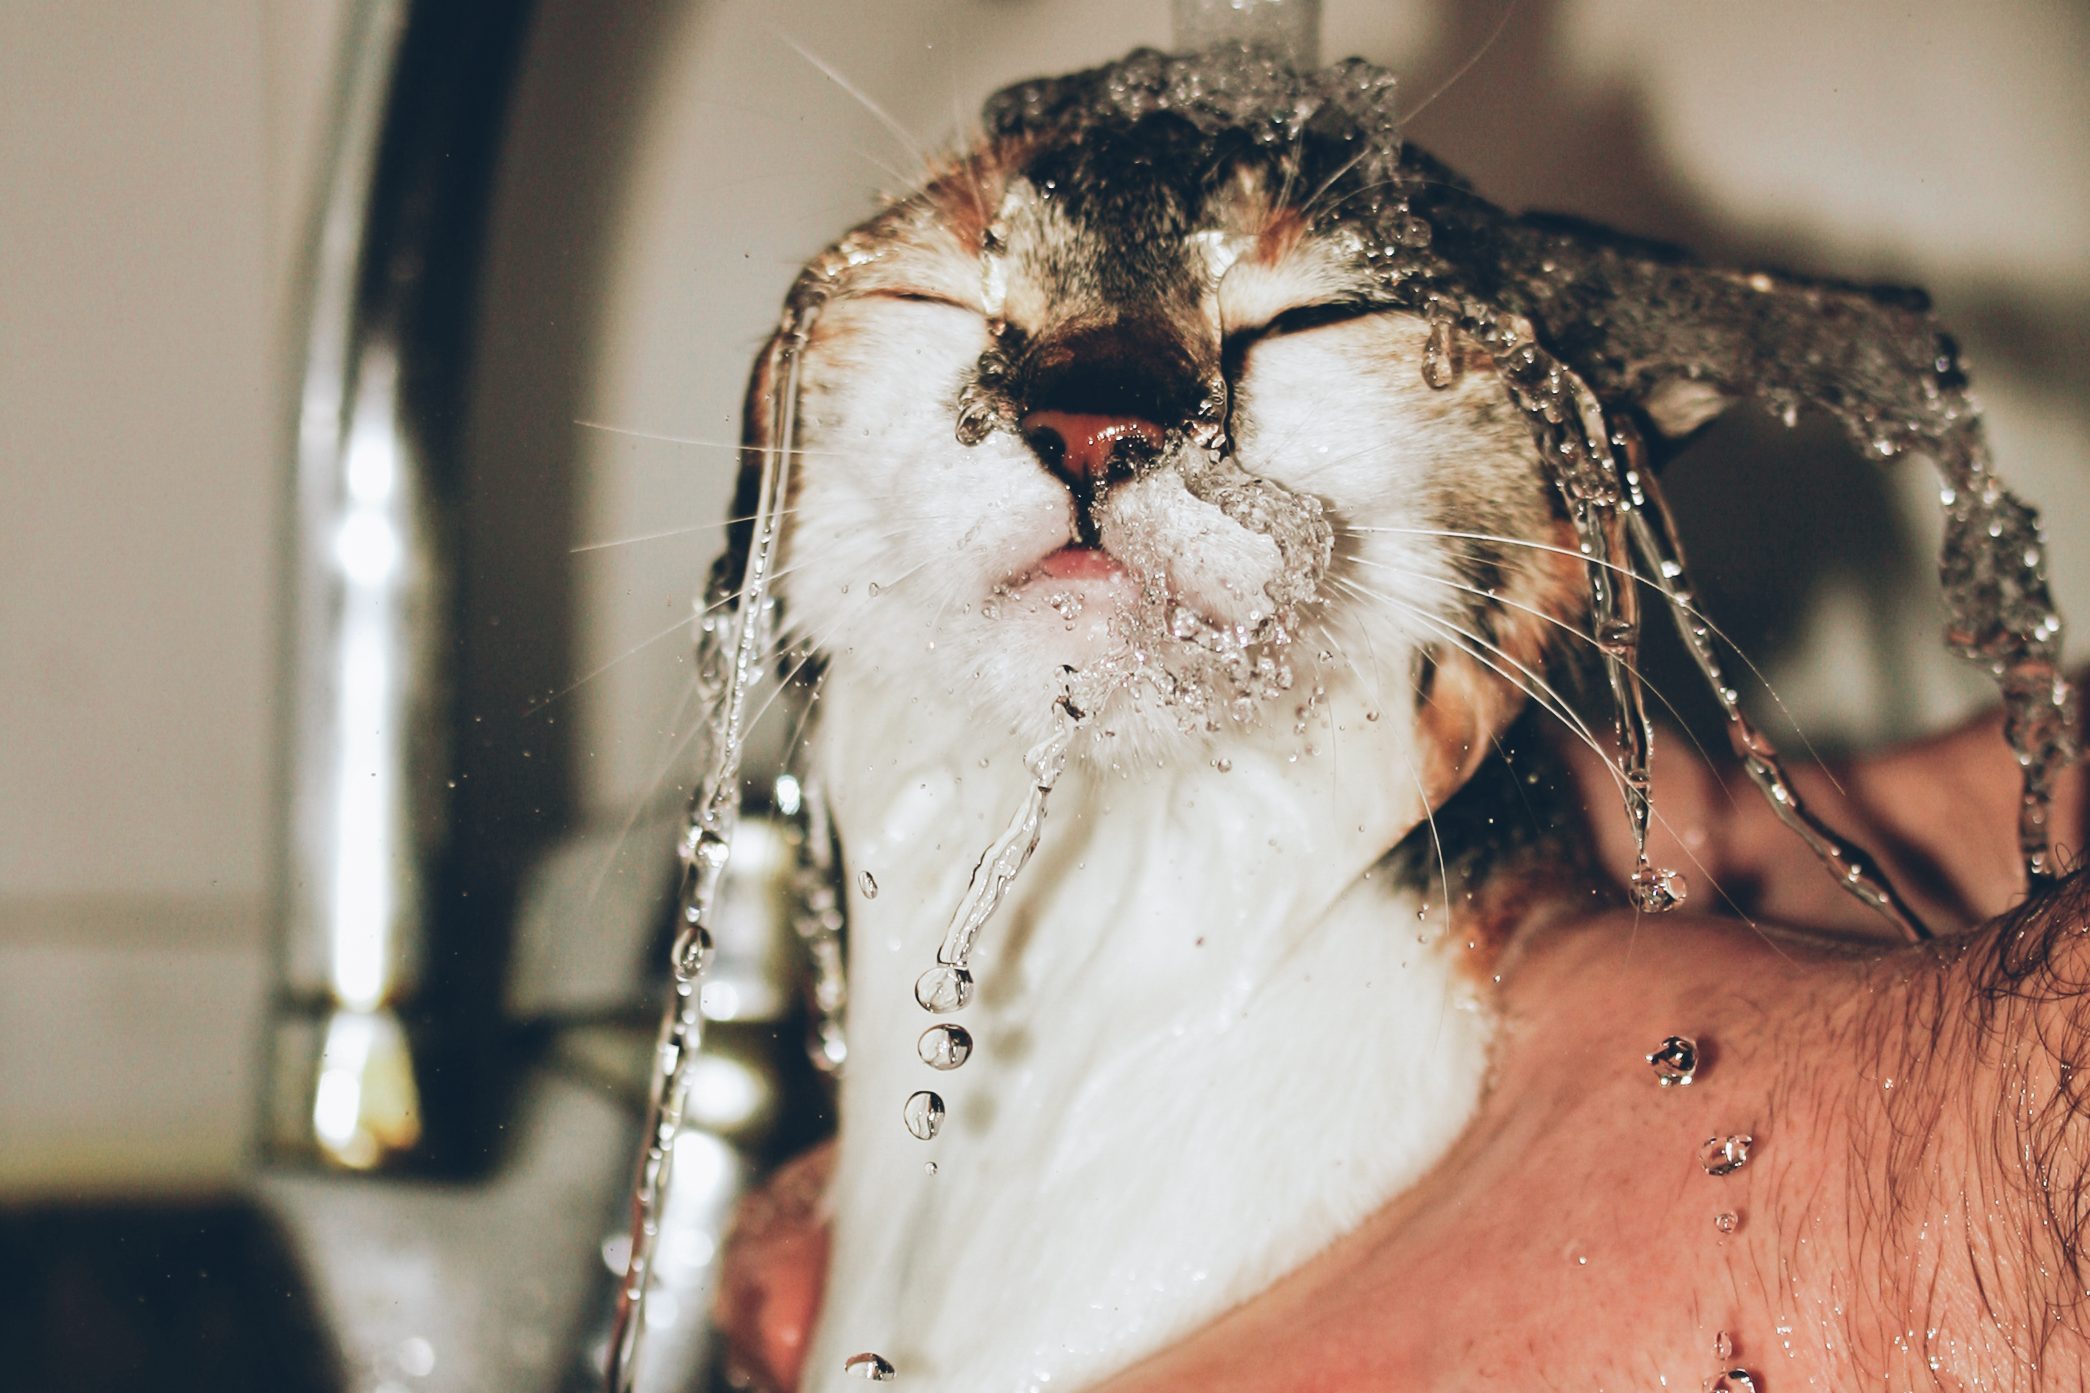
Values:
[(1122, 390)]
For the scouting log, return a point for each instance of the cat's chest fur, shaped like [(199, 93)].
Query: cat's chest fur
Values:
[(1209, 1039)]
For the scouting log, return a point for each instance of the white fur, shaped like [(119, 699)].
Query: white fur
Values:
[(1209, 1041)]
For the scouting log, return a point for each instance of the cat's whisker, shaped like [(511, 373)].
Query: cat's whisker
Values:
[(661, 438), (683, 716), (682, 622), (661, 535), (795, 741), (1637, 578), (1564, 627), (1501, 23), (1532, 686), (1422, 794), (724, 523), (901, 179), (1476, 648), (1309, 208), (667, 532), (885, 118), (970, 137), (812, 644)]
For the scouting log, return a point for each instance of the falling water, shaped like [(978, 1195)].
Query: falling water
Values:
[(948, 986), (1630, 320), (724, 679), (1654, 534), (818, 923), (1569, 424)]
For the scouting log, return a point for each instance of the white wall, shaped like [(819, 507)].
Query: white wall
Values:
[(155, 162)]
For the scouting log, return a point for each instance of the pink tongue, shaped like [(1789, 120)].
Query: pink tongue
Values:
[(1080, 563)]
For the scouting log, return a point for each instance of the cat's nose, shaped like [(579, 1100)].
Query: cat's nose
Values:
[(1089, 448)]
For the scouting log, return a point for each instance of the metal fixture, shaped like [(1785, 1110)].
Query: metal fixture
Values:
[(378, 1043)]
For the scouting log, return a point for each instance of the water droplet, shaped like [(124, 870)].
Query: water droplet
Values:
[(943, 989), (924, 1114), (1675, 1061), (1439, 365), (928, 1168), (870, 1366), (944, 1046), (871, 589), (867, 884), (1732, 1381), (1727, 1221), (1723, 1343), (1725, 1155), (692, 951), (1222, 764), (1657, 891)]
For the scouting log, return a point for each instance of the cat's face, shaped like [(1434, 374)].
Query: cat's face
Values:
[(1127, 407)]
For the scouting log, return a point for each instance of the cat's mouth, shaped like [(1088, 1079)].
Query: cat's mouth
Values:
[(1080, 561)]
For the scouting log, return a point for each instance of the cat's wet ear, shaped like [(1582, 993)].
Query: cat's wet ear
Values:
[(1679, 407)]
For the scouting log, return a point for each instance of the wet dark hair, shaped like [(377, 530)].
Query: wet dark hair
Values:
[(1970, 1154)]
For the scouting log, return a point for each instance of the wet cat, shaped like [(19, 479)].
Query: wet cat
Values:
[(1150, 421), (1123, 412)]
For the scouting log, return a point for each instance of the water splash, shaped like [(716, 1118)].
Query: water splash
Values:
[(818, 923), (725, 676), (1624, 321), (1628, 326), (1440, 365), (1569, 424), (1656, 891), (1725, 1155), (944, 989), (944, 1046), (923, 1114), (1003, 860), (869, 1366), (948, 986), (1675, 1061), (1654, 533)]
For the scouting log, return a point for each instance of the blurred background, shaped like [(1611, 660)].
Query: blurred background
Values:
[(630, 189)]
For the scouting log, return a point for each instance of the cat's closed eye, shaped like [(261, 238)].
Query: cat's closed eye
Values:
[(1299, 319)]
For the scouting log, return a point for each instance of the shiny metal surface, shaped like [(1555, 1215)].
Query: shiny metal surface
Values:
[(346, 888), (375, 978)]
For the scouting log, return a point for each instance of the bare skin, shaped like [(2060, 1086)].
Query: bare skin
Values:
[(1896, 1225)]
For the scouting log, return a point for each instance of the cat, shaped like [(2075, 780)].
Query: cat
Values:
[(1134, 395), (1139, 427)]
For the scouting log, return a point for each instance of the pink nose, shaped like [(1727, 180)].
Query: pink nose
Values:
[(1084, 447)]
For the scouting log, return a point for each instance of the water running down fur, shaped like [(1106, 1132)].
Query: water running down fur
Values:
[(1190, 379)]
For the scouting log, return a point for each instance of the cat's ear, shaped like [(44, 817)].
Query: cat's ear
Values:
[(1677, 408)]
